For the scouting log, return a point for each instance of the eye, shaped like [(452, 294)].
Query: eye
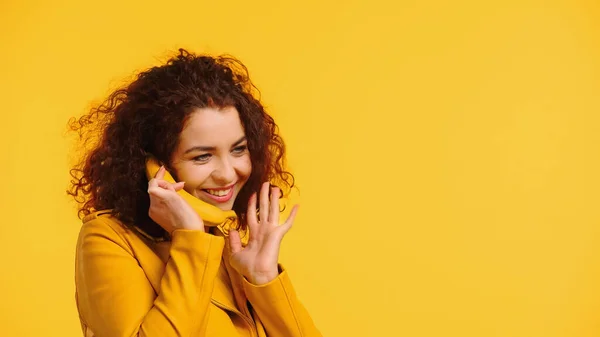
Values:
[(240, 149), (202, 158)]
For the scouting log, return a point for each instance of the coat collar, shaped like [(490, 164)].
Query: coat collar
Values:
[(155, 254)]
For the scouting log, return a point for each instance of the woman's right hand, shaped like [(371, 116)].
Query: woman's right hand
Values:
[(169, 209)]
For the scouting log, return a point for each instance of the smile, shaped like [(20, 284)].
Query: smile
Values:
[(219, 195)]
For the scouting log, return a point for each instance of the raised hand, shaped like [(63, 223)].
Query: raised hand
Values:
[(258, 261), (169, 209)]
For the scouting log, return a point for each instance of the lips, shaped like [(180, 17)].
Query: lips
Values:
[(219, 194)]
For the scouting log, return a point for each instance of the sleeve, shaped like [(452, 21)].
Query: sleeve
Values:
[(117, 300), (279, 309)]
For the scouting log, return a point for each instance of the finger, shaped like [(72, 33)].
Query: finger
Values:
[(263, 211), (152, 183), (251, 215), (157, 191), (235, 242), (290, 220), (165, 185), (157, 178), (160, 174), (274, 211), (178, 186), (161, 189)]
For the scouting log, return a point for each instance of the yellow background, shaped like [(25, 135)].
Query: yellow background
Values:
[(446, 153)]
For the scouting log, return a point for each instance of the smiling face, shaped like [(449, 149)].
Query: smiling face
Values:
[(212, 156)]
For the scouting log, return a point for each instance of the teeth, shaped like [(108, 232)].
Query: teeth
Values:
[(219, 193)]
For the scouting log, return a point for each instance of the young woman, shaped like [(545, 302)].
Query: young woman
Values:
[(181, 229)]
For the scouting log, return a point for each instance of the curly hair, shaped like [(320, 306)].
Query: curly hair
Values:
[(146, 117)]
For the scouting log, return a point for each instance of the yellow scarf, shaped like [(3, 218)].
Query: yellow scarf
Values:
[(210, 214)]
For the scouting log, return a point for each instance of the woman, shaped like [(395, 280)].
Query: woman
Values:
[(181, 230)]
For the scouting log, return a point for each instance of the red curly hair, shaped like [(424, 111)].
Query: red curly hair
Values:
[(147, 116)]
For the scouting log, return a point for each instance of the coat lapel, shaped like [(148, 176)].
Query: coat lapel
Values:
[(152, 258)]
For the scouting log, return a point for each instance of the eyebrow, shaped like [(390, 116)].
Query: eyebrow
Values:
[(212, 148)]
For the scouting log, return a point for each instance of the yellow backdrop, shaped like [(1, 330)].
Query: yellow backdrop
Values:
[(446, 153)]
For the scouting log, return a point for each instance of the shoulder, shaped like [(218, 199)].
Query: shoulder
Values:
[(102, 229), (103, 222)]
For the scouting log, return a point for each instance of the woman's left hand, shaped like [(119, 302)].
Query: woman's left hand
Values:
[(258, 261)]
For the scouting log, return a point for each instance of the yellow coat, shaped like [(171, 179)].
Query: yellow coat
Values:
[(128, 285), (125, 288)]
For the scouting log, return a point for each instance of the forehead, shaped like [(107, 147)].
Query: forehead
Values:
[(212, 125)]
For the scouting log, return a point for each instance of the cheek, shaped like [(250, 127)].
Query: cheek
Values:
[(194, 175), (244, 167)]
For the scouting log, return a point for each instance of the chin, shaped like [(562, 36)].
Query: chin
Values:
[(225, 207), (222, 206)]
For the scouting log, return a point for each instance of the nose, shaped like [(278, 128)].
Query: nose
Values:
[(224, 173)]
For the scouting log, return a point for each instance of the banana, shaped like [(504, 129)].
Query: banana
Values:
[(210, 214)]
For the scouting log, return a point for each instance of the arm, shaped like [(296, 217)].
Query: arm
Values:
[(279, 309), (117, 300)]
